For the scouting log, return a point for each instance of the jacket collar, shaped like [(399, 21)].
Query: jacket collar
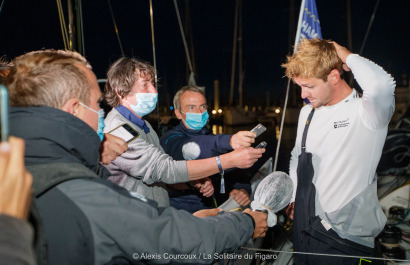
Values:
[(53, 136)]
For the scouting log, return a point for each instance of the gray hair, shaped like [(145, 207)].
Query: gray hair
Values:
[(177, 102)]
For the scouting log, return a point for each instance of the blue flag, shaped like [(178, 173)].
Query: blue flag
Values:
[(308, 25)]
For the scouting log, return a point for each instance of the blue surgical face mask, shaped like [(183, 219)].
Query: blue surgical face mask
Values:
[(146, 103), (196, 121), (101, 123)]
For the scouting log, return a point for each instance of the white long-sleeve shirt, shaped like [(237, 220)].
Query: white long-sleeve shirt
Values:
[(346, 139)]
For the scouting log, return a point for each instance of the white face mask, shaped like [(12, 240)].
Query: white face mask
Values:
[(145, 104)]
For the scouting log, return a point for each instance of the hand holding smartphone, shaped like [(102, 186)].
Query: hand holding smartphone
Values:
[(262, 145), (126, 132), (258, 129)]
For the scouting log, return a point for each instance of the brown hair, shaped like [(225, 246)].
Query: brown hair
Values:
[(5, 67), (121, 77), (48, 78)]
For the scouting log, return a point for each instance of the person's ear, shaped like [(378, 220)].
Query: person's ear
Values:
[(334, 76), (178, 114), (72, 106)]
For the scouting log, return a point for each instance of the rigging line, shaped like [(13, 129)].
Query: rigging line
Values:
[(2, 5), (115, 27), (321, 254), (240, 59), (71, 30), (62, 23), (151, 12), (298, 32), (368, 28), (281, 127), (80, 22), (188, 26), (183, 37), (235, 38)]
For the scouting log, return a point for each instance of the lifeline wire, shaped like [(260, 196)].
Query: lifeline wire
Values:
[(321, 254)]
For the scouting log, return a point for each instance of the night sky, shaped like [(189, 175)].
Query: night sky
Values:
[(267, 37)]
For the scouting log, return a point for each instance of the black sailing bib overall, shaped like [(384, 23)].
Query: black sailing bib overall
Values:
[(305, 190), (309, 235)]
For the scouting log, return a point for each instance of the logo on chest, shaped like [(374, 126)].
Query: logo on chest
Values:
[(341, 124)]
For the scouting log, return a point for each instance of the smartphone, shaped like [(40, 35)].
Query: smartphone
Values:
[(125, 132), (262, 145), (4, 114), (258, 129)]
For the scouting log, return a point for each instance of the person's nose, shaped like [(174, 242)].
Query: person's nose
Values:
[(152, 88), (304, 93)]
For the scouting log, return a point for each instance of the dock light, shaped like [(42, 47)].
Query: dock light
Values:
[(214, 112), (219, 111)]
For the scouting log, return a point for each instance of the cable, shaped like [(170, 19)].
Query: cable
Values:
[(151, 11), (2, 5), (115, 27), (235, 39), (62, 24), (80, 23), (183, 36), (368, 28), (281, 127)]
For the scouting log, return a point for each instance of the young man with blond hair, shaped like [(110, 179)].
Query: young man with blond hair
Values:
[(339, 142)]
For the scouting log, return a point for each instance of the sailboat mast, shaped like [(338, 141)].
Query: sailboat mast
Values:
[(240, 87), (235, 39)]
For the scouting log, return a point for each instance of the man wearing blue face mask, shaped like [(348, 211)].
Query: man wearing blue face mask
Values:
[(145, 168), (86, 219), (190, 140)]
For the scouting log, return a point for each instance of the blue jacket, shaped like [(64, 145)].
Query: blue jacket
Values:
[(186, 144)]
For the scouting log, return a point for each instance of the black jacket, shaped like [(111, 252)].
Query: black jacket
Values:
[(88, 220)]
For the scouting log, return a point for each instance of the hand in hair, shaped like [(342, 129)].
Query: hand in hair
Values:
[(343, 53)]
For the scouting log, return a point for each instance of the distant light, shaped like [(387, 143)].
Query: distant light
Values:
[(219, 111), (213, 111), (171, 108), (277, 110)]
